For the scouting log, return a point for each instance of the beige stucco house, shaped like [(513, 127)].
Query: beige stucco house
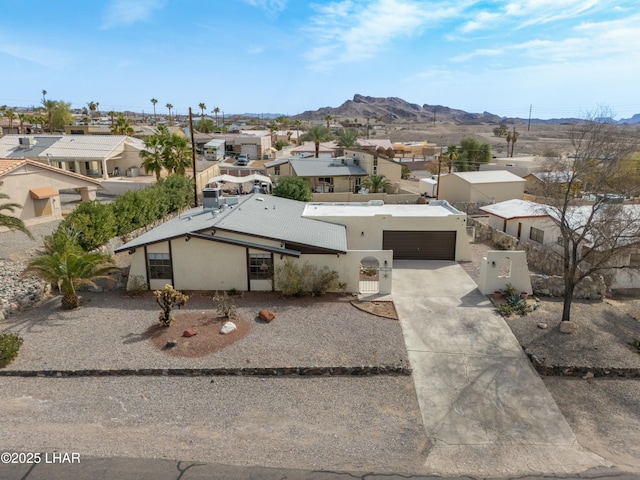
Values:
[(37, 186), (480, 187), (334, 175), (97, 156), (237, 242)]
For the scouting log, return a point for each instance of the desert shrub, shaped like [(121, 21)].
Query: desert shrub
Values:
[(514, 303), (295, 280), (635, 343), (10, 343), (225, 305), (168, 298)]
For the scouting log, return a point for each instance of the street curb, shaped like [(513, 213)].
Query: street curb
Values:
[(360, 371)]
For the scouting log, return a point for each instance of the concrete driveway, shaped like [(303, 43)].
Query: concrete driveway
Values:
[(483, 405)]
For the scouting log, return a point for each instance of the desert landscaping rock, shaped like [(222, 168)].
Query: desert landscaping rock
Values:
[(189, 333), (266, 315), (228, 327)]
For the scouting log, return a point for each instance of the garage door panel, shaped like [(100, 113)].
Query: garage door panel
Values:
[(415, 245)]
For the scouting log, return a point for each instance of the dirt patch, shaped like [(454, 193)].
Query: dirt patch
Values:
[(602, 340), (208, 339), (380, 309)]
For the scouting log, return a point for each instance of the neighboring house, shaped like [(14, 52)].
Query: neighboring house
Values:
[(237, 242), (326, 150), (8, 127), (481, 187), (539, 182), (333, 175), (537, 223), (254, 145), (527, 221), (37, 186), (97, 156), (416, 149), (214, 149)]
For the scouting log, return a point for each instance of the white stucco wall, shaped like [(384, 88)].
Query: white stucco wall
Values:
[(493, 277), (366, 232)]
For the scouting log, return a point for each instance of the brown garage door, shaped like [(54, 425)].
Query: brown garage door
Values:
[(411, 245)]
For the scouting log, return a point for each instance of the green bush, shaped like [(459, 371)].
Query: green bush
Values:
[(10, 343), (95, 223), (635, 343), (295, 280)]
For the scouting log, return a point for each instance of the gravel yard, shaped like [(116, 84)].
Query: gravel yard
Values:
[(110, 330)]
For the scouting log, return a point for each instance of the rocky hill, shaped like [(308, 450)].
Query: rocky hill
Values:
[(394, 109)]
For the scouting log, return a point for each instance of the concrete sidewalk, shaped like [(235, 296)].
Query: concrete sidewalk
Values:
[(483, 405)]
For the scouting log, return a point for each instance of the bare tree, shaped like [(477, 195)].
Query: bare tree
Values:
[(581, 194)]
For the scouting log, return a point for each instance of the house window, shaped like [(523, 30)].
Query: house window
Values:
[(276, 170), (159, 266), (325, 185), (260, 266), (536, 235)]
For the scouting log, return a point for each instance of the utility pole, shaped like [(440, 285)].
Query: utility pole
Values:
[(529, 125), (193, 160), (438, 184)]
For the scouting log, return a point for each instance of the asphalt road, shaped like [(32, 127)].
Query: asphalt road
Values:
[(92, 468)]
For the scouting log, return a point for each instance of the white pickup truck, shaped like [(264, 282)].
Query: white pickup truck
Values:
[(243, 160)]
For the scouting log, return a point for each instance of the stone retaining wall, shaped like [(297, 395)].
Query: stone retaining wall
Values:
[(581, 371)]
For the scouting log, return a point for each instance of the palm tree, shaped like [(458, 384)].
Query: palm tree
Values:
[(177, 155), (122, 126), (152, 155), (202, 108), (297, 124), (452, 156), (328, 119), (169, 106), (317, 134), (509, 138), (376, 183), (44, 96), (347, 138), (23, 117), (12, 223), (11, 115), (70, 267), (154, 101), (216, 111), (514, 139), (49, 105), (93, 106)]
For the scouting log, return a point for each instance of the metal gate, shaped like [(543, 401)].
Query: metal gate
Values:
[(369, 276)]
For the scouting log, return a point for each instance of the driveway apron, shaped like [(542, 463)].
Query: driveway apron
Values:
[(483, 405)]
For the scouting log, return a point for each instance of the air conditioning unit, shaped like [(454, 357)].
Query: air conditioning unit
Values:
[(24, 142)]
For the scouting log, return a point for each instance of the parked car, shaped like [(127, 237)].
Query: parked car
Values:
[(243, 160)]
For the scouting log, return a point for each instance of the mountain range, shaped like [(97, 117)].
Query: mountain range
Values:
[(394, 109)]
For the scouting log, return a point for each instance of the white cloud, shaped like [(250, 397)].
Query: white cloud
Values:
[(46, 57), (536, 12), (271, 7), (348, 31), (481, 20), (122, 13)]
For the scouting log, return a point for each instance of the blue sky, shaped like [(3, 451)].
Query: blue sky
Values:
[(563, 57)]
